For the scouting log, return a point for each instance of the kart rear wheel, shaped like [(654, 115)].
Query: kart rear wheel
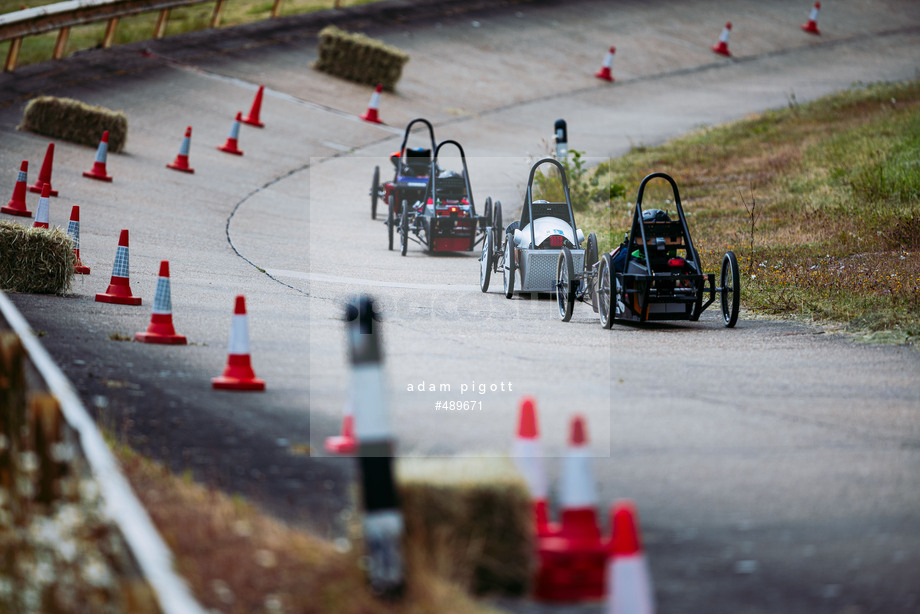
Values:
[(605, 299), (590, 252), (486, 219), (508, 269), (404, 228), (565, 284), (375, 186), (497, 228), (485, 261), (730, 289), (391, 219)]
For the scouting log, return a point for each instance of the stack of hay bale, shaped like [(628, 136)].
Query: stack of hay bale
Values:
[(359, 58)]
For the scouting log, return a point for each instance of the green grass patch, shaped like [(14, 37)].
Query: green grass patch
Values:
[(820, 201)]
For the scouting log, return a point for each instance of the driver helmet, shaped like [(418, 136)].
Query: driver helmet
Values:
[(655, 215)]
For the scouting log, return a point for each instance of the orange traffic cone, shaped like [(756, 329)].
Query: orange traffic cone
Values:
[(345, 443), (812, 26), (238, 374), (604, 72), (371, 114), (161, 328), (98, 171), (17, 204), (44, 176), (44, 208), (253, 118), (181, 161), (119, 290), (629, 587), (231, 146), (73, 231), (722, 46), (572, 560), (527, 452)]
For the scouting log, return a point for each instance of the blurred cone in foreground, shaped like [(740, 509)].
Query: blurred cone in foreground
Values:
[(119, 290), (812, 26), (44, 175), (604, 73), (629, 586), (17, 204), (73, 231), (238, 374), (527, 452), (161, 328), (371, 115)]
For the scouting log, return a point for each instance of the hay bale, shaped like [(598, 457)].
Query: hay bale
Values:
[(359, 58), (35, 260), (75, 121), (468, 520)]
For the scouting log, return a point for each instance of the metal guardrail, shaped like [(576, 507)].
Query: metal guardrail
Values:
[(64, 15)]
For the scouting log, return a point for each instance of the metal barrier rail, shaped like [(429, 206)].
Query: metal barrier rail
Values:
[(64, 15)]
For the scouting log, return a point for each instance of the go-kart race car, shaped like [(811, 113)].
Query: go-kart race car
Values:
[(445, 219), (533, 244), (411, 170), (655, 274)]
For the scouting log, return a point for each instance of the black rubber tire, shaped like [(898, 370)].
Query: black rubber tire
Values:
[(485, 261), (591, 256), (404, 228), (486, 218), (730, 289), (509, 269), (606, 301), (497, 228), (391, 219), (375, 187), (565, 284)]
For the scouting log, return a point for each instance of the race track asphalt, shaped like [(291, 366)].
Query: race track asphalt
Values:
[(775, 466)]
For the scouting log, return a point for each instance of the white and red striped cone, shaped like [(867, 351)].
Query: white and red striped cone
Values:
[(43, 212), (119, 290), (73, 231), (527, 452), (44, 175), (98, 171), (604, 73), (629, 586), (344, 443), (371, 115), (253, 118), (238, 374), (232, 144), (812, 26), (17, 204), (181, 161), (572, 560), (722, 46), (161, 329)]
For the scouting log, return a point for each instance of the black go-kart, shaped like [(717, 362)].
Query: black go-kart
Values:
[(445, 218), (655, 274), (411, 173)]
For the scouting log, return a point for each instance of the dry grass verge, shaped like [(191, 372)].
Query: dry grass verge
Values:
[(238, 560)]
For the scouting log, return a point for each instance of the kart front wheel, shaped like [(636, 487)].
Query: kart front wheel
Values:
[(404, 228), (603, 290), (485, 261), (565, 284), (486, 219), (375, 186), (497, 228), (391, 219), (730, 289), (508, 269), (590, 252)]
